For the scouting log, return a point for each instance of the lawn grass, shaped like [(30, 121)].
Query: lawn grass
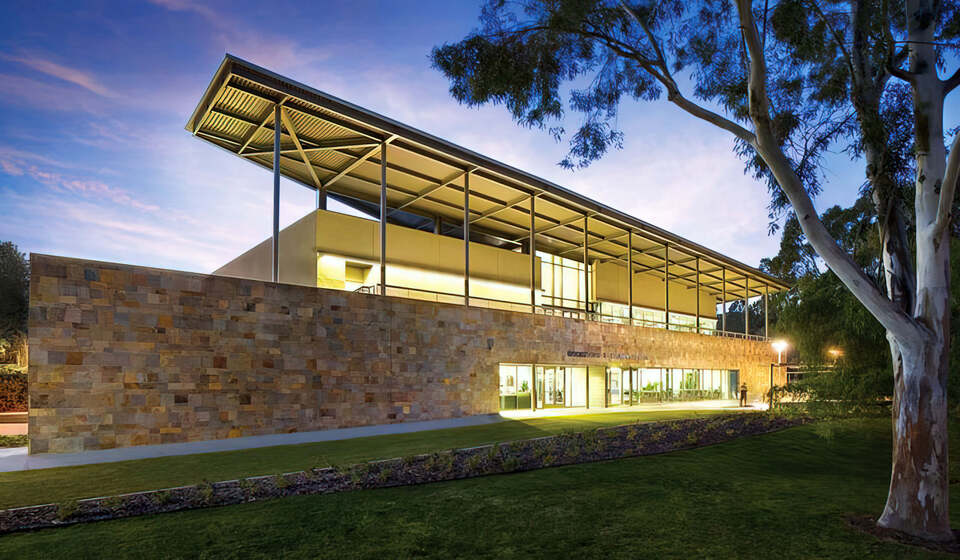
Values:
[(780, 495), (61, 484)]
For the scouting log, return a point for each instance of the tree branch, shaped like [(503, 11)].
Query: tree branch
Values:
[(952, 82), (903, 327), (653, 42), (673, 91), (948, 189), (894, 59)]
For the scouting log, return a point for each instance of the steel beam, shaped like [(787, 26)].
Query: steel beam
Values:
[(366, 155), (507, 206), (288, 124), (427, 191), (586, 263)]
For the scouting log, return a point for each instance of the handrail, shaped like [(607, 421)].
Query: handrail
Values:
[(548, 310)]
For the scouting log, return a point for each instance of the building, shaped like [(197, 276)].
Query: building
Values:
[(386, 314)]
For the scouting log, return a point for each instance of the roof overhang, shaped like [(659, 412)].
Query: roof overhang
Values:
[(332, 145)]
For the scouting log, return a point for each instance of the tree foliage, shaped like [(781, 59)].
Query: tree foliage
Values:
[(14, 290)]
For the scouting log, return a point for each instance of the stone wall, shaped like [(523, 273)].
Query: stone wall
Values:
[(123, 355)]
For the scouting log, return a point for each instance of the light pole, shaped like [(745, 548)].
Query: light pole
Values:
[(780, 346)]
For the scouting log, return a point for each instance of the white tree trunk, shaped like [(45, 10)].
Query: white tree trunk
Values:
[(918, 502)]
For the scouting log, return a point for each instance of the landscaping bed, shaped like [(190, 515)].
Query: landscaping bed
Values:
[(565, 449), (13, 389), (13, 441)]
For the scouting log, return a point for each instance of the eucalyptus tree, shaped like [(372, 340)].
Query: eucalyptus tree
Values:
[(787, 80)]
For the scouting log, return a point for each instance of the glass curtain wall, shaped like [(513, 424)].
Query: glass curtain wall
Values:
[(643, 316), (515, 385), (629, 386), (561, 282), (553, 386)]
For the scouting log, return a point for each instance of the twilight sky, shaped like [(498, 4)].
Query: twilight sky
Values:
[(95, 162)]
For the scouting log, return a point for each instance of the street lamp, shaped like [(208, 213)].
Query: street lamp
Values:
[(780, 346)]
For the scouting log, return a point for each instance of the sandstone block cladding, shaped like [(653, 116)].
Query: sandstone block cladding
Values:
[(124, 355)]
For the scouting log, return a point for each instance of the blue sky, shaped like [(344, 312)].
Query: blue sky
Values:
[(95, 162)]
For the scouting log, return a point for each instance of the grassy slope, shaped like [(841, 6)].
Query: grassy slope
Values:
[(780, 495), (61, 484)]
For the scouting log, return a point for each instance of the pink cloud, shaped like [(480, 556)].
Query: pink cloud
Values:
[(274, 51), (11, 164), (74, 76)]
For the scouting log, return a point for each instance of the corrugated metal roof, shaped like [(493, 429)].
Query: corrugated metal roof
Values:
[(425, 177)]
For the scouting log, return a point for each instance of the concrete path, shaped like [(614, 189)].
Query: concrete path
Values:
[(17, 459)]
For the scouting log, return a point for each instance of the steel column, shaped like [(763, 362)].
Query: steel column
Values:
[(723, 307), (383, 219), (533, 386), (746, 305), (466, 238), (533, 256), (666, 285), (586, 265), (698, 295), (275, 267), (588, 387), (630, 276), (766, 310), (321, 199)]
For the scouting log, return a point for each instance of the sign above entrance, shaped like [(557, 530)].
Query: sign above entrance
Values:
[(606, 355)]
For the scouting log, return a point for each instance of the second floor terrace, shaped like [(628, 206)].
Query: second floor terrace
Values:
[(434, 221)]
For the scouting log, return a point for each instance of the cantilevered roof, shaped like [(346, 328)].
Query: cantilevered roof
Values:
[(332, 145)]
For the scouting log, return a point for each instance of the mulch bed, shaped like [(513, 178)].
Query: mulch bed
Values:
[(867, 524), (601, 444)]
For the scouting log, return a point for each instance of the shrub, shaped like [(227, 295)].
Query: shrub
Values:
[(14, 441), (67, 509), (205, 489), (162, 497), (112, 503), (13, 389)]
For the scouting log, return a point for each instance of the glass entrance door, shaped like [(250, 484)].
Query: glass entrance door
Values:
[(552, 387)]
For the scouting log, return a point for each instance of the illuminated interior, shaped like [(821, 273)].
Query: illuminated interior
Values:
[(572, 386)]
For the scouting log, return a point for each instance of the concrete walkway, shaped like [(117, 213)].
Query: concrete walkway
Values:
[(17, 459)]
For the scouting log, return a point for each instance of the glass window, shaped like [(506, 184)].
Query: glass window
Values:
[(613, 386), (508, 380)]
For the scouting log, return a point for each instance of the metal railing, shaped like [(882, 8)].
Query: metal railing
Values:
[(590, 314)]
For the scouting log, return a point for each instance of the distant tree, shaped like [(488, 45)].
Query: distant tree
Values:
[(824, 73), (819, 312), (14, 291)]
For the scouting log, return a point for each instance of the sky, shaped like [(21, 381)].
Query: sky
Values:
[(95, 161)]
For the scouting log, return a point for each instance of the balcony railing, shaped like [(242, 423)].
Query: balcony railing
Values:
[(549, 310)]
